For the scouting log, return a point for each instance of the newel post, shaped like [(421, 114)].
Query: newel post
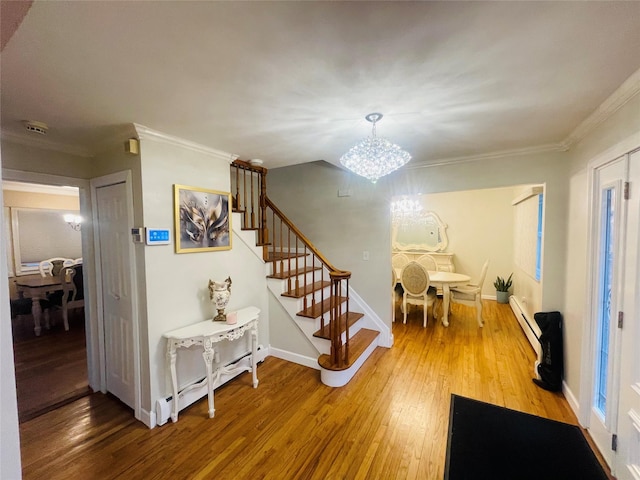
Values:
[(336, 312)]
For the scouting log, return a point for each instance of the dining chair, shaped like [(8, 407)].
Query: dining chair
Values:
[(393, 294), (470, 295), (399, 260), (47, 266), (72, 294), (415, 283), (428, 262)]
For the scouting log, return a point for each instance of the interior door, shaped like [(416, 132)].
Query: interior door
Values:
[(607, 264), (117, 306), (627, 459)]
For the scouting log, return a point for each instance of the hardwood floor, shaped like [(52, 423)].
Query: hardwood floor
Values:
[(51, 369), (389, 422)]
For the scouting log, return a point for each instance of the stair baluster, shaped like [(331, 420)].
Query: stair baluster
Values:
[(284, 251)]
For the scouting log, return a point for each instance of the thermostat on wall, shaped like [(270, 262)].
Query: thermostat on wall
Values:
[(158, 236)]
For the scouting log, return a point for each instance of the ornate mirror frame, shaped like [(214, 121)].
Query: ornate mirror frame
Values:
[(433, 227)]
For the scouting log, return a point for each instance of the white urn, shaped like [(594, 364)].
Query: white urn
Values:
[(219, 293)]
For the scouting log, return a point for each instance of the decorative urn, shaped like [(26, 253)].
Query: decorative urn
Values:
[(219, 293)]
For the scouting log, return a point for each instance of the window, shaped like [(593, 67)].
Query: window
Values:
[(539, 237)]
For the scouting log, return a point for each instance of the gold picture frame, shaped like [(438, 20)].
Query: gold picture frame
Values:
[(202, 219)]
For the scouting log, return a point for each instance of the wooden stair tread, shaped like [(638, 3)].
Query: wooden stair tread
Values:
[(357, 345), (292, 273), (318, 309), (274, 256), (325, 332), (306, 289)]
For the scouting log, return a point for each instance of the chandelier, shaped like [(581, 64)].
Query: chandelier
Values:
[(74, 221), (406, 212), (374, 157)]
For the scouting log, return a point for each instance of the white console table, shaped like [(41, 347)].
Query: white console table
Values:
[(206, 334)]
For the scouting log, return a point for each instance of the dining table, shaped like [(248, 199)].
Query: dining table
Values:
[(37, 287), (445, 281)]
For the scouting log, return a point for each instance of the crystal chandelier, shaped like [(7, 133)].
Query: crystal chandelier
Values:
[(406, 212), (374, 157)]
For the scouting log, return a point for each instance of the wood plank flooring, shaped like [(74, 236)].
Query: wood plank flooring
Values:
[(51, 369), (389, 422)]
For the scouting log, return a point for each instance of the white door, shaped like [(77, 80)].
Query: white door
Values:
[(627, 459), (607, 265), (115, 260)]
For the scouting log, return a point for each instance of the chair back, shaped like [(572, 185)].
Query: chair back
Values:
[(414, 279), (428, 262), (483, 274), (399, 260), (47, 266)]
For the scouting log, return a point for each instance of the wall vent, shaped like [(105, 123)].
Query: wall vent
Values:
[(36, 127)]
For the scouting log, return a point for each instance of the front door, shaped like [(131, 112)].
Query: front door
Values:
[(627, 459), (605, 291), (117, 306), (615, 396)]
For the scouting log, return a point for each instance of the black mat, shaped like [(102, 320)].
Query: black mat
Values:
[(490, 442)]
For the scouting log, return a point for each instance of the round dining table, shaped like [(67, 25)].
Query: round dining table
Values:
[(444, 281)]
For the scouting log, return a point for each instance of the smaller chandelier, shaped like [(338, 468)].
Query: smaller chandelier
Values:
[(374, 157), (74, 221), (406, 212)]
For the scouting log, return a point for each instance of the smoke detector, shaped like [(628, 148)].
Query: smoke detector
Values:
[(36, 127)]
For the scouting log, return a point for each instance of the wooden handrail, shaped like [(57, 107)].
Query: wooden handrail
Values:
[(307, 242), (289, 257)]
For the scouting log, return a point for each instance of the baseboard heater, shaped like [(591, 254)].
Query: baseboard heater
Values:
[(197, 389), (528, 324)]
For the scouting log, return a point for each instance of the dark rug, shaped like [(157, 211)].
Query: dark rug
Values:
[(490, 442)]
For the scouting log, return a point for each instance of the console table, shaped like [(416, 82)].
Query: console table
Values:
[(206, 334)]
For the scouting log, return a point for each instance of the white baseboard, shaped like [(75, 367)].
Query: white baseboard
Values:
[(571, 399), (294, 358), (198, 389), (148, 418)]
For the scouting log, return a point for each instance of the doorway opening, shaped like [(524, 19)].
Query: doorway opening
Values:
[(51, 367)]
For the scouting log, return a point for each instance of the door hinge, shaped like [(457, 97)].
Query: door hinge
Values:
[(614, 442), (620, 319), (626, 190)]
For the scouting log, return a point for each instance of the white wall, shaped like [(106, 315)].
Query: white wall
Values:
[(616, 134), (479, 227), (10, 467), (342, 227), (176, 284)]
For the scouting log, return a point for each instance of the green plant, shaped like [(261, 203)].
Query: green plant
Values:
[(503, 285)]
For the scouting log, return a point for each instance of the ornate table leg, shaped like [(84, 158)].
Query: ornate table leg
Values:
[(254, 354), (208, 355), (171, 360), (445, 304)]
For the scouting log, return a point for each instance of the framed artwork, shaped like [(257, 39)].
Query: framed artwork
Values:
[(202, 219)]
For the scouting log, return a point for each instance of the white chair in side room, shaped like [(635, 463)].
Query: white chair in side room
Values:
[(471, 294), (47, 266), (415, 283)]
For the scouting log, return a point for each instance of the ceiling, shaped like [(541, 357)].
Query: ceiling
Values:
[(291, 82)]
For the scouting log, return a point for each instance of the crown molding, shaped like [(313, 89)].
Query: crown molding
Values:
[(148, 133), (45, 144), (551, 147), (623, 94)]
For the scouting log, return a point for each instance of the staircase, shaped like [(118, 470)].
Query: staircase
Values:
[(315, 294)]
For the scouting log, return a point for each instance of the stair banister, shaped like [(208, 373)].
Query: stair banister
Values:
[(246, 203)]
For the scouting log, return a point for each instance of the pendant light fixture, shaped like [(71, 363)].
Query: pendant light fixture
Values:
[(374, 157)]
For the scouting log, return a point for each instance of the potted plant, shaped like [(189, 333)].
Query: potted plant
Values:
[(502, 288)]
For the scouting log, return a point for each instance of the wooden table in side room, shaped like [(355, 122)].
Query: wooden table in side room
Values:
[(36, 288)]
